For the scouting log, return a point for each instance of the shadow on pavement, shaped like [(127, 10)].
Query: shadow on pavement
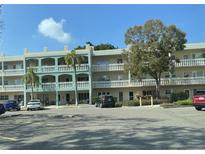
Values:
[(86, 132)]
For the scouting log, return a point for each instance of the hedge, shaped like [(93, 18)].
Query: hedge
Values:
[(179, 96), (184, 102)]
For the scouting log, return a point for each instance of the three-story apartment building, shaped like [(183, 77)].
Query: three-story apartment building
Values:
[(101, 73)]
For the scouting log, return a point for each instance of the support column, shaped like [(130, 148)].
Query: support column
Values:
[(129, 77), (39, 64), (56, 63), (25, 98), (57, 102), (152, 101), (2, 76), (57, 90), (140, 101), (90, 76)]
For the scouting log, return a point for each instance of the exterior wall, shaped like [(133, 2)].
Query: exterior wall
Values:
[(106, 59), (10, 95), (119, 75), (114, 70)]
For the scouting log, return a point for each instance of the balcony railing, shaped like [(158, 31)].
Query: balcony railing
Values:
[(61, 86), (15, 72), (59, 68), (12, 88), (148, 82), (108, 67), (191, 62)]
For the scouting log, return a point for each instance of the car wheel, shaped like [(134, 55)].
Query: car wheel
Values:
[(198, 108), (27, 109)]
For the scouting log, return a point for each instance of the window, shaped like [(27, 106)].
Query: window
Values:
[(5, 67), (108, 93), (119, 61), (105, 78), (131, 95), (166, 75), (168, 92), (194, 74), (120, 96), (185, 57), (200, 73), (83, 96), (187, 91), (119, 77), (99, 93), (194, 91), (6, 82), (18, 97), (193, 56), (4, 97), (186, 74)]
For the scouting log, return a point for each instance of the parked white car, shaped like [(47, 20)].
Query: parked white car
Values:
[(34, 105)]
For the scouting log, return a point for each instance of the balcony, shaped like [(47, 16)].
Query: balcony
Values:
[(61, 86), (13, 72), (149, 82), (60, 68), (108, 67), (191, 62), (12, 88)]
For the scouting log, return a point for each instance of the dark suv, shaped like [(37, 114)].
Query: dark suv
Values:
[(11, 105), (105, 101), (2, 109)]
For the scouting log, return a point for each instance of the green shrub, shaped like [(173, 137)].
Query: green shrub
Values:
[(179, 96), (167, 105), (118, 104), (184, 102), (95, 100), (131, 103)]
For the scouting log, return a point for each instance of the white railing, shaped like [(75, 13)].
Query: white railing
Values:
[(53, 86), (64, 68), (13, 88), (191, 62), (35, 68), (14, 72), (48, 86), (59, 68), (65, 85), (108, 67), (148, 82), (110, 84), (82, 85), (47, 69)]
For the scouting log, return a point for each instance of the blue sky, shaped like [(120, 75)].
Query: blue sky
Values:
[(76, 24)]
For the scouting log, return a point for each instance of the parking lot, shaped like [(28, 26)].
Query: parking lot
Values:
[(107, 128)]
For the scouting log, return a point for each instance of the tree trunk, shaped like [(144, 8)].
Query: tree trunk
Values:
[(76, 91), (157, 90), (31, 92)]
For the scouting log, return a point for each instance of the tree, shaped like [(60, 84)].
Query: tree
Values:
[(106, 46), (71, 59), (151, 50), (31, 79), (102, 46)]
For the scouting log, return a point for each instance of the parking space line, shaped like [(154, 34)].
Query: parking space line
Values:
[(8, 138)]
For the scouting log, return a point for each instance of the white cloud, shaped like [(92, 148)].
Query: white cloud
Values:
[(54, 30)]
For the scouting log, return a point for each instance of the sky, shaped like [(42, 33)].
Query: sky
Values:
[(53, 26)]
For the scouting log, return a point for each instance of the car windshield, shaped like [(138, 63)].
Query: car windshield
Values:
[(200, 92), (33, 103)]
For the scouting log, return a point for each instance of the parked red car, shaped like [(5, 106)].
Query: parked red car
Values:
[(198, 100)]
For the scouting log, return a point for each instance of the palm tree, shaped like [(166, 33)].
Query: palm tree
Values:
[(71, 59), (31, 79)]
